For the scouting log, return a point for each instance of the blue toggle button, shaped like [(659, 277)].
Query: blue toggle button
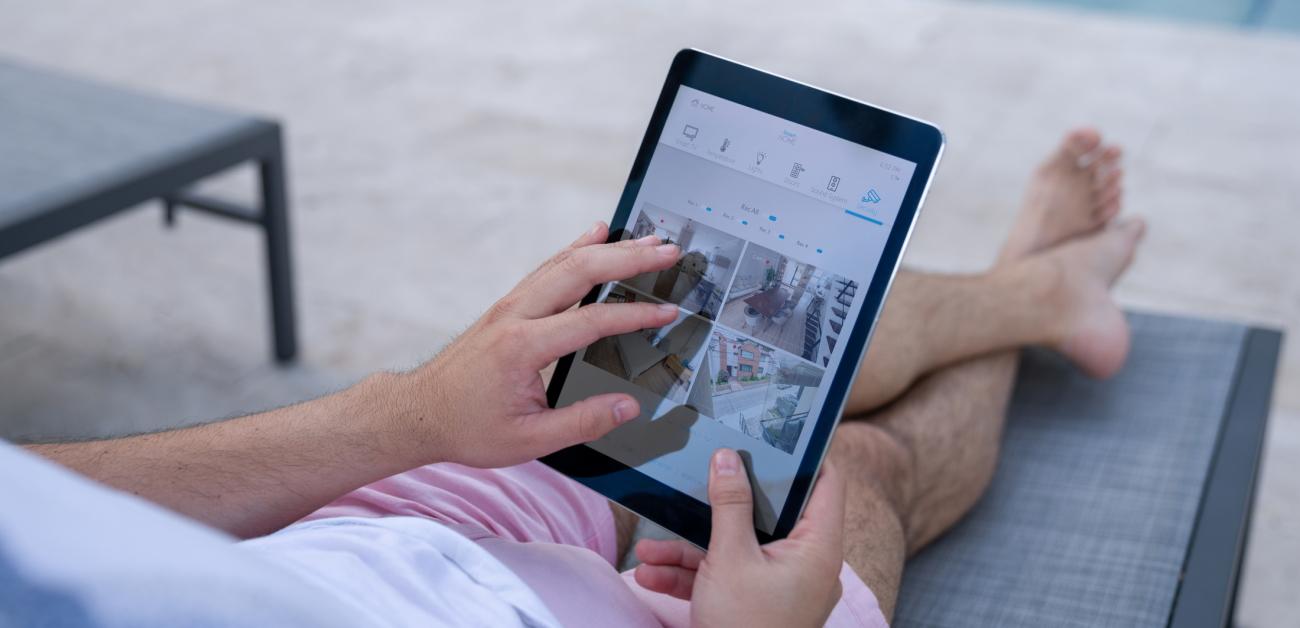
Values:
[(744, 222), (781, 235), (819, 250), (772, 218)]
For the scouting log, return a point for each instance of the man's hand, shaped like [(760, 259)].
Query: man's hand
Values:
[(482, 400), (791, 582)]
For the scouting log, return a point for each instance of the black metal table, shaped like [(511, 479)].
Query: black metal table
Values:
[(74, 151)]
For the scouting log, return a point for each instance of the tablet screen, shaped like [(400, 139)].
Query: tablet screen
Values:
[(781, 227)]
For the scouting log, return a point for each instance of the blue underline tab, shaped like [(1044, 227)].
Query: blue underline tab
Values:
[(864, 217)]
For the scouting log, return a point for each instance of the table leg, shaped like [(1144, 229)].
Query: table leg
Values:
[(275, 220)]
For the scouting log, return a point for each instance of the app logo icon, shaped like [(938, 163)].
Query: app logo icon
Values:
[(690, 132), (833, 184), (871, 196)]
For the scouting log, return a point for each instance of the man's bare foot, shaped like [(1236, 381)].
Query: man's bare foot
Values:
[(1092, 333), (1074, 192)]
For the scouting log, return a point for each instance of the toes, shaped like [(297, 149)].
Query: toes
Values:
[(1108, 210), (1108, 180), (1108, 192), (1103, 160), (1080, 142), (1113, 195), (1129, 232), (1116, 247), (1134, 228)]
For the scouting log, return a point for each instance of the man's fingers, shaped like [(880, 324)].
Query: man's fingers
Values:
[(675, 581), (823, 517), (595, 235), (580, 422), (733, 506), (642, 241), (599, 233), (669, 552), (570, 275), (559, 335)]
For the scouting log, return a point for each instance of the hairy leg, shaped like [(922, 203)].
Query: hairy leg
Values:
[(1058, 299), (919, 465), (1051, 300), (931, 321)]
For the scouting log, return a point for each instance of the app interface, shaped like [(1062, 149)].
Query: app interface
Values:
[(781, 228)]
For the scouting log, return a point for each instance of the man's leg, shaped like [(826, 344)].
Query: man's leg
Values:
[(921, 462), (919, 465), (930, 321)]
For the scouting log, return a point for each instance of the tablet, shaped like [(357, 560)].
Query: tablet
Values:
[(792, 207)]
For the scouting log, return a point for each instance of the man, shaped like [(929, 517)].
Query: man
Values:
[(416, 500)]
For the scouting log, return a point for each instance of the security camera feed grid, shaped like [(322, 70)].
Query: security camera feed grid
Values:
[(662, 360), (755, 390), (697, 281), (789, 304)]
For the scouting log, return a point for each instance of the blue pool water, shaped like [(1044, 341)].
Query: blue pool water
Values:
[(1275, 15)]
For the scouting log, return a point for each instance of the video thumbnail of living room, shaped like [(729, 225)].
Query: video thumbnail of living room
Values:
[(697, 281), (662, 360), (755, 390), (789, 304)]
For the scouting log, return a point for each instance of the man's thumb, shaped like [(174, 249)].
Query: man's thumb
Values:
[(733, 504)]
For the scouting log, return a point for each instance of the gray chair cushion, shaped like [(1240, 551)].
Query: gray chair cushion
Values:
[(1090, 513), (62, 138)]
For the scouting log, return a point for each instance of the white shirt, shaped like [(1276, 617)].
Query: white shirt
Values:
[(73, 552)]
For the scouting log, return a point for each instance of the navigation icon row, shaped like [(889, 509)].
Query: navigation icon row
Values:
[(870, 197)]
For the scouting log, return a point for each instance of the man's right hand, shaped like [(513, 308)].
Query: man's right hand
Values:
[(482, 401), (791, 582)]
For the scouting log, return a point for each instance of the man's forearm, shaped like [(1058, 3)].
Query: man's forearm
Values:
[(255, 474)]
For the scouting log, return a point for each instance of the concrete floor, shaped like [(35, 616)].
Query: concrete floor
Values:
[(438, 153)]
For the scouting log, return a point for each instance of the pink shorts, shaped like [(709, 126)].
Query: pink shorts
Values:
[(556, 535)]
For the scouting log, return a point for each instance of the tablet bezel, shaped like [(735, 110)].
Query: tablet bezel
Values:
[(893, 133)]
